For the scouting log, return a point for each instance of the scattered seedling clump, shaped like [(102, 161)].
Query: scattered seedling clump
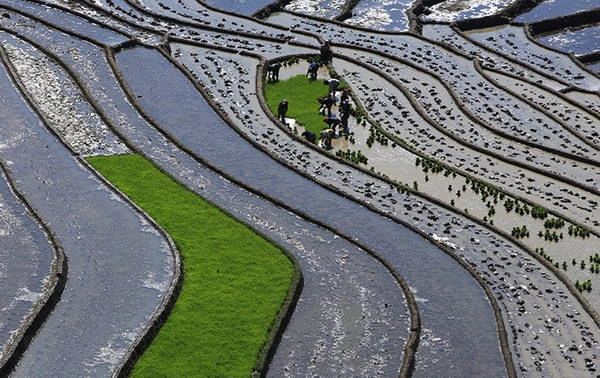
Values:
[(583, 286), (554, 223), (520, 232), (575, 230), (294, 60), (356, 157), (539, 212), (376, 135), (430, 165), (550, 235)]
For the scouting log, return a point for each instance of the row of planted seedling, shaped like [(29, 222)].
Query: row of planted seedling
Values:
[(490, 196)]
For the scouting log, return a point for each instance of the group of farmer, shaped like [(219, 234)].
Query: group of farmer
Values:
[(332, 122)]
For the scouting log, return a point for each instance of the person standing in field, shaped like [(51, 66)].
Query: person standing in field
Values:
[(282, 110)]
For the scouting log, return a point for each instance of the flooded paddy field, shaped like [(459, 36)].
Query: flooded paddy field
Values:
[(478, 203), (388, 15), (247, 7), (578, 41), (455, 10), (554, 9)]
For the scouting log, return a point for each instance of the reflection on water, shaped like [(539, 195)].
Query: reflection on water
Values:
[(453, 291), (594, 67), (387, 15), (578, 41), (454, 10), (556, 8), (247, 7)]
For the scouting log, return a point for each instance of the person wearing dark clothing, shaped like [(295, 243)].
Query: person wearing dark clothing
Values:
[(313, 68), (344, 122), (310, 136), (345, 114), (281, 110), (326, 53), (326, 104), (345, 95), (273, 71)]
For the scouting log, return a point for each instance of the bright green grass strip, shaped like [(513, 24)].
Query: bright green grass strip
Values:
[(302, 95), (234, 280)]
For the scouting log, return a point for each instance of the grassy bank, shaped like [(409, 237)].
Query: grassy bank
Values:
[(302, 95), (234, 280)]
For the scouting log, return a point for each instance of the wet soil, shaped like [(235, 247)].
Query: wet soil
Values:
[(513, 41), (489, 59)]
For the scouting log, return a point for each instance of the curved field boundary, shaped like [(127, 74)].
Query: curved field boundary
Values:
[(412, 343), (570, 55), (470, 115), (416, 35), (164, 305), (417, 106), (502, 333), (460, 29), (330, 187), (160, 317), (228, 121), (558, 94), (289, 300), (54, 288), (196, 25), (460, 103), (530, 103), (584, 302), (403, 144), (552, 25), (510, 58), (414, 319)]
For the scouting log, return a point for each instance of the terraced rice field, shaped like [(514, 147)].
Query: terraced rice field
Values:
[(454, 232)]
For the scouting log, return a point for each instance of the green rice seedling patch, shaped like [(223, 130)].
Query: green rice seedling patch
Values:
[(302, 95), (235, 281)]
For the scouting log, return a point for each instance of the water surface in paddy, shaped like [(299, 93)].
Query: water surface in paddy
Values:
[(556, 8), (386, 15), (454, 10), (594, 67), (449, 304), (247, 7), (577, 41)]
